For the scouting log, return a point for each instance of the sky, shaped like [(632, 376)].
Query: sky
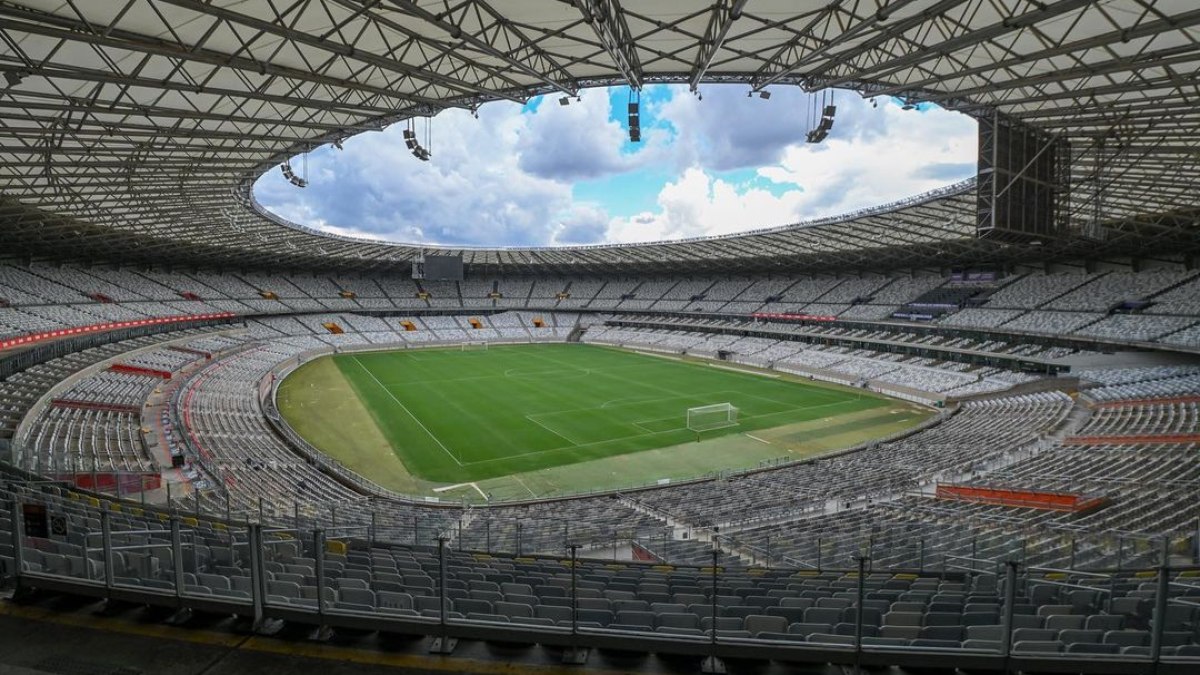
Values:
[(543, 174)]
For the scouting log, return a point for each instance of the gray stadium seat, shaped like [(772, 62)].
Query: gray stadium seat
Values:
[(901, 632), (357, 596), (1092, 648), (761, 623), (679, 620), (1037, 646), (825, 615), (1104, 622), (1073, 636), (809, 628)]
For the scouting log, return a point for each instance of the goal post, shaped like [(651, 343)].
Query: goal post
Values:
[(710, 417), (474, 346)]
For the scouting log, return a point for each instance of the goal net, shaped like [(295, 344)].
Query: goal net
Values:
[(474, 346), (709, 417)]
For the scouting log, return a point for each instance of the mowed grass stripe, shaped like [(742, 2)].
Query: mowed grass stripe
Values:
[(521, 408), (408, 412)]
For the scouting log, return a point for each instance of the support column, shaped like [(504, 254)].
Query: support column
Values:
[(575, 655), (1160, 607), (106, 550), (1010, 600), (712, 664), (443, 643), (257, 576), (858, 619), (177, 557), (323, 631)]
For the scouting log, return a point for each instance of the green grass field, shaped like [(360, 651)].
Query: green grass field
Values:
[(413, 419)]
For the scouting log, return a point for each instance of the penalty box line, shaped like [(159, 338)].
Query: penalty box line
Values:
[(622, 438), (561, 435)]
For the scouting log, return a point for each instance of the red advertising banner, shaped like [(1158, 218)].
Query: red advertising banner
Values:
[(130, 483), (34, 338), (1030, 499)]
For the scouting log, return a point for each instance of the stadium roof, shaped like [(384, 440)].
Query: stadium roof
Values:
[(133, 130)]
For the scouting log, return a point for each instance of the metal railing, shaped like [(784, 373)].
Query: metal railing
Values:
[(339, 578)]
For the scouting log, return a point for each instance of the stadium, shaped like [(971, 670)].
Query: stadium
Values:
[(957, 430)]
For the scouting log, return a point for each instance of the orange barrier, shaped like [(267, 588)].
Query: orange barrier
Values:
[(1132, 439), (333, 328), (1030, 499), (138, 370)]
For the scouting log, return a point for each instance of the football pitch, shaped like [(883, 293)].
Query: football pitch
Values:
[(461, 417)]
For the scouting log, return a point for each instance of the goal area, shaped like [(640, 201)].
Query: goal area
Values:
[(474, 346), (709, 417)]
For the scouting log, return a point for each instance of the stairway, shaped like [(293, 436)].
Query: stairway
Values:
[(683, 530)]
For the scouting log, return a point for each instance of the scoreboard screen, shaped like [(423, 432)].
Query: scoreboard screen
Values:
[(439, 268)]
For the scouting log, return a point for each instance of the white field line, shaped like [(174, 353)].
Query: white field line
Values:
[(743, 370), (634, 400), (755, 417), (619, 438), (760, 440), (481, 492), (548, 372), (408, 412), (447, 488), (651, 431), (655, 354), (517, 477), (566, 438), (565, 447), (638, 424), (630, 400)]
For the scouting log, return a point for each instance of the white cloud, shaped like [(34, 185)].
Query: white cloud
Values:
[(877, 156), (729, 130), (573, 142), (700, 205), (584, 224), (472, 192), (844, 174), (505, 178)]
